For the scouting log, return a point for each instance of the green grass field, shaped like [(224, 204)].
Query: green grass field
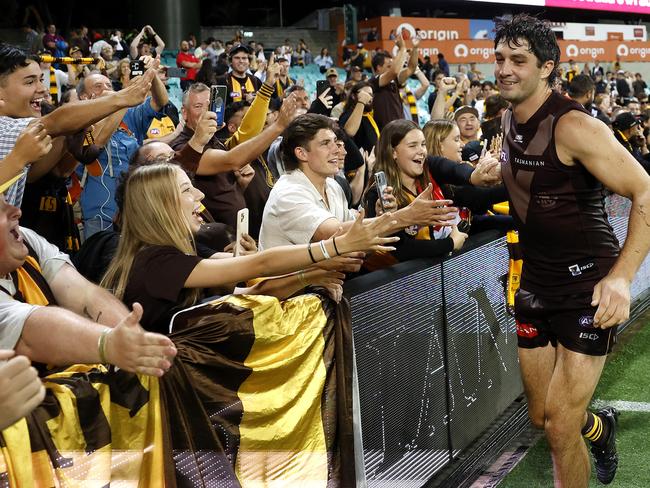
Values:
[(626, 378)]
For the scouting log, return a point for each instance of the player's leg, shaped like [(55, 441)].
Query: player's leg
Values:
[(574, 379), (536, 367)]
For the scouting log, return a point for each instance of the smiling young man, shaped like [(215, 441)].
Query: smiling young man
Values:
[(575, 288), (308, 205), (21, 94)]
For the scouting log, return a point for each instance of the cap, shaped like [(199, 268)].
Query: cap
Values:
[(239, 49), (331, 72), (5, 185), (472, 151), (465, 109), (620, 72), (624, 121)]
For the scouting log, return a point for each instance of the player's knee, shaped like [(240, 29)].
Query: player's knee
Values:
[(537, 419)]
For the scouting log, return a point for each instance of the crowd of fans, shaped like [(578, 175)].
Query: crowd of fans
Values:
[(156, 193)]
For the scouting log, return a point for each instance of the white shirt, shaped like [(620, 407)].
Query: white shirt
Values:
[(13, 313), (295, 209)]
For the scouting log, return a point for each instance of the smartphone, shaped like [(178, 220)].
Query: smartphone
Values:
[(321, 86), (218, 101), (175, 72), (242, 228), (380, 181), (137, 68)]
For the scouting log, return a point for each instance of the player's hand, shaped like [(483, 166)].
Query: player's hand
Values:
[(22, 389), (425, 211), (458, 237), (612, 297), (32, 144), (487, 171)]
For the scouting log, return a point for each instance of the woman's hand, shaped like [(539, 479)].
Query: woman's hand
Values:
[(390, 202)]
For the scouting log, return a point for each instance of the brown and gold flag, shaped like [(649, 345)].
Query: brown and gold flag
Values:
[(259, 396)]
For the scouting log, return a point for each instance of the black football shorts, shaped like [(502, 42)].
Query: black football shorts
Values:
[(568, 320)]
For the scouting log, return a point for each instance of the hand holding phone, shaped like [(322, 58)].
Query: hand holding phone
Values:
[(218, 102), (380, 181), (136, 68), (242, 228)]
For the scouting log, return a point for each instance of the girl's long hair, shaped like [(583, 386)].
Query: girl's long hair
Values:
[(391, 135), (435, 131), (151, 216)]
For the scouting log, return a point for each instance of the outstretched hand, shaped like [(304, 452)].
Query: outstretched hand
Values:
[(131, 348)]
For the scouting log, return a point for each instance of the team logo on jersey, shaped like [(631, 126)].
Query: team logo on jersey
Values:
[(235, 94)]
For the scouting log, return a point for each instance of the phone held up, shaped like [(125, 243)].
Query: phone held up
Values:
[(218, 101), (380, 181), (242, 228)]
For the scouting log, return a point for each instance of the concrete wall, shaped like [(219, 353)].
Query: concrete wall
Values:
[(273, 37)]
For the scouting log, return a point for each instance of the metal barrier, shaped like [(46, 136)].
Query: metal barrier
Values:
[(436, 357)]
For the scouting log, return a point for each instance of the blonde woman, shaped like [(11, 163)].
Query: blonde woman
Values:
[(156, 262)]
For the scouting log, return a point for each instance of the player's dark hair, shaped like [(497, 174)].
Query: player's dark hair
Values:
[(300, 133), (539, 35)]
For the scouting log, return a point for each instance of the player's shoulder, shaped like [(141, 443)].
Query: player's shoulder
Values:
[(578, 127)]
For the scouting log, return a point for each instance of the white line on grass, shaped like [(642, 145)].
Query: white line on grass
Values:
[(621, 405)]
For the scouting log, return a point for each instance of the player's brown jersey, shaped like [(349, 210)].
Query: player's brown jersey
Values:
[(565, 237)]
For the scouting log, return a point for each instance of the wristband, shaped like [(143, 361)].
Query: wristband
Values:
[(336, 248), (311, 256), (324, 250), (303, 281), (101, 346)]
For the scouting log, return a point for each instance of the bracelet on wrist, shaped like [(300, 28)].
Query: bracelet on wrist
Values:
[(324, 250), (303, 280), (101, 345), (311, 255), (335, 248)]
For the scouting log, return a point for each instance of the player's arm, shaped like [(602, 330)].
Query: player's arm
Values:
[(583, 138)]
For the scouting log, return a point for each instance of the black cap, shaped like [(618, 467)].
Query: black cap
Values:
[(625, 120), (472, 151), (239, 49)]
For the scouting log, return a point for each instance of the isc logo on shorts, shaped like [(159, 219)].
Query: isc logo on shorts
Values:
[(592, 336)]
